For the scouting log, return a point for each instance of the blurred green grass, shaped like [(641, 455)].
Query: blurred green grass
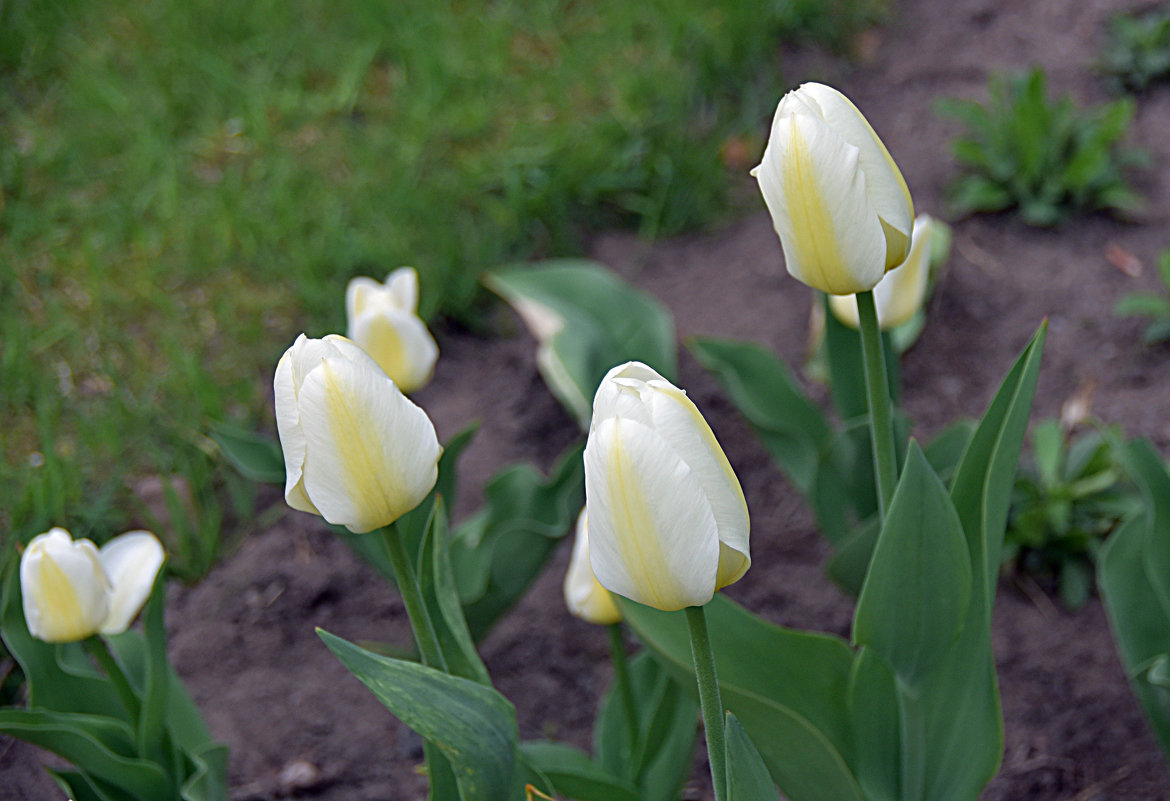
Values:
[(184, 186)]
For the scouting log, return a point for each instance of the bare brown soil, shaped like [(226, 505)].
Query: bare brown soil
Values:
[(301, 727)]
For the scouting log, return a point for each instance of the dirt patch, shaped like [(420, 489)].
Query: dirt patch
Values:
[(243, 639)]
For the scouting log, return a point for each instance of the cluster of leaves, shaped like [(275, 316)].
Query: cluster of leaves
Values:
[(1137, 53), (1048, 158), (1154, 305), (1068, 497), (150, 745)]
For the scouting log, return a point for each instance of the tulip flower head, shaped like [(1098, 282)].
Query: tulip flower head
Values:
[(71, 590), (837, 199), (668, 524), (584, 595), (383, 320), (901, 293), (356, 450)]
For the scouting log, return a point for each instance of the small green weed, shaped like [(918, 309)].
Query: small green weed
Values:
[(1048, 158), (1067, 498), (1155, 305), (1137, 52)]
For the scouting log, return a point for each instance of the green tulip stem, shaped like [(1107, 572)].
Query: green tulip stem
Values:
[(416, 608), (709, 699), (100, 651), (621, 678), (878, 389)]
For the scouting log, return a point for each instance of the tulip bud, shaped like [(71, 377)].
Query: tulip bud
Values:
[(356, 450), (131, 561), (901, 293), (65, 591), (383, 320), (668, 524), (584, 595), (72, 591), (837, 199)]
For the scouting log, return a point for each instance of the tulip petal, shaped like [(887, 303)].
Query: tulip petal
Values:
[(402, 289), (131, 561), (653, 536), (816, 193), (679, 422), (64, 589), (885, 186), (584, 595), (620, 393), (289, 374), (399, 342), (372, 455), (360, 293)]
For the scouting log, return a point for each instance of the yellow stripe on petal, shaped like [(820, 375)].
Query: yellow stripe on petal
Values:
[(814, 238), (376, 497), (638, 542), (63, 617)]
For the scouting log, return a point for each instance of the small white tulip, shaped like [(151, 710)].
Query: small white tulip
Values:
[(584, 595), (72, 591), (356, 450), (837, 199), (901, 293), (668, 524), (383, 320)]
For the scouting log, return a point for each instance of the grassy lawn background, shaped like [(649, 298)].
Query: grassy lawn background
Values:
[(186, 184)]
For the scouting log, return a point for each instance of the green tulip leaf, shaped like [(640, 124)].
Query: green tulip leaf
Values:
[(497, 554), (850, 561), (257, 457), (981, 487), (788, 688), (914, 600), (100, 747), (955, 742), (876, 727), (789, 425), (1127, 576), (574, 775), (437, 583), (207, 774), (1146, 467), (660, 761), (473, 725), (747, 775), (587, 321), (79, 787)]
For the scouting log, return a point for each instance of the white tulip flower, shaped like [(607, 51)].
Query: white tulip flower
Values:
[(837, 199), (901, 293), (383, 320), (71, 590), (668, 523), (356, 450), (584, 595)]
